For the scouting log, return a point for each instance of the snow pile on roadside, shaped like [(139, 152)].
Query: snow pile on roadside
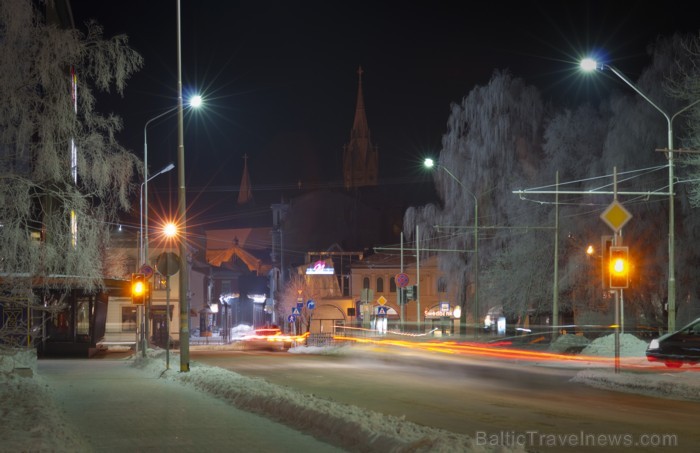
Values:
[(680, 386), (569, 343), (630, 346), (30, 419), (347, 426)]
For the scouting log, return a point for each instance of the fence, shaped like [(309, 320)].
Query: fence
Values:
[(320, 339)]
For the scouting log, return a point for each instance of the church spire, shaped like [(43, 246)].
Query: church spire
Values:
[(359, 126), (246, 193), (360, 156)]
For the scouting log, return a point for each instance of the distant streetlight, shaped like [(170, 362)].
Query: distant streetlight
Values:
[(430, 163), (589, 64)]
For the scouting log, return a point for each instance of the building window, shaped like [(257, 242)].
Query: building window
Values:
[(159, 282), (392, 285), (225, 286), (442, 285), (365, 283), (380, 285), (129, 318), (82, 313), (346, 285)]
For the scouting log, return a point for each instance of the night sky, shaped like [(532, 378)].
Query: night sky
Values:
[(279, 78)]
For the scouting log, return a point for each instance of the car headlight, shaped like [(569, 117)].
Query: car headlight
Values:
[(654, 344)]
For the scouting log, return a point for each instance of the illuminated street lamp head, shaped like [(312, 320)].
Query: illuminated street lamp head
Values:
[(196, 101), (589, 65), (590, 250), (429, 163), (170, 230)]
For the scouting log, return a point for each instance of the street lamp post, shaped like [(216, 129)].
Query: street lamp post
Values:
[(588, 64), (194, 102), (429, 163), (182, 215), (144, 255), (144, 185)]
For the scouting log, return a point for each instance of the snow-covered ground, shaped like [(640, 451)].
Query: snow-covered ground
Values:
[(25, 400)]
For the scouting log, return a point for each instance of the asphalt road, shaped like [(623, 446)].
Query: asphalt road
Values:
[(487, 399)]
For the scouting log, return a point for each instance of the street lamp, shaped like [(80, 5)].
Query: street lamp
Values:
[(430, 163), (195, 102), (589, 64), (144, 242)]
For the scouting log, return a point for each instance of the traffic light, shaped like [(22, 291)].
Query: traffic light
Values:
[(138, 289), (619, 267)]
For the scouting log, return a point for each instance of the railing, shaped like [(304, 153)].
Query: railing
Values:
[(320, 339)]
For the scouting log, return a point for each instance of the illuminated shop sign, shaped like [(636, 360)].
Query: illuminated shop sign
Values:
[(320, 268)]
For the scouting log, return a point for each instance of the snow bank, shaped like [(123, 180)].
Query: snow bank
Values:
[(569, 343), (30, 419), (344, 425), (680, 385), (18, 361), (630, 346)]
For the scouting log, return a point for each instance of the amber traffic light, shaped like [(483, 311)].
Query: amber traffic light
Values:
[(619, 266), (138, 288)]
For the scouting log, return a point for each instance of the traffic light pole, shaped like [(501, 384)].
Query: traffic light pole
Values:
[(618, 296), (617, 241)]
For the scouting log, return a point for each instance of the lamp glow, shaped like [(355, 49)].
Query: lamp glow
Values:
[(589, 64), (170, 230)]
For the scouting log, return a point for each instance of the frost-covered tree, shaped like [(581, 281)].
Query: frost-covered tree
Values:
[(63, 176), (492, 146), (501, 138), (301, 287), (685, 86), (624, 132)]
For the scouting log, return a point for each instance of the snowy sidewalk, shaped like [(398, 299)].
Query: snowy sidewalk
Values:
[(116, 407)]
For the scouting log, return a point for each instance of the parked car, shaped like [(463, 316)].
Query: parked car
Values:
[(677, 348)]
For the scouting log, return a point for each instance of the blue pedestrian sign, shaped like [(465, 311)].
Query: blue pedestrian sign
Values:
[(382, 310), (310, 304), (291, 318), (295, 311)]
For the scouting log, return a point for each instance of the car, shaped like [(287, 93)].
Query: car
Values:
[(677, 348), (267, 338)]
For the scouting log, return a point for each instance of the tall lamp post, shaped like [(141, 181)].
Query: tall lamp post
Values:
[(589, 64), (144, 255), (430, 163), (195, 102), (182, 215)]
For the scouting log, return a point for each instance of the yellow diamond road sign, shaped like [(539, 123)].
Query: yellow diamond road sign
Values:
[(381, 300), (616, 216)]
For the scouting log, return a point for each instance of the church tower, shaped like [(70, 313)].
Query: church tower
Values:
[(360, 156), (246, 193)]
